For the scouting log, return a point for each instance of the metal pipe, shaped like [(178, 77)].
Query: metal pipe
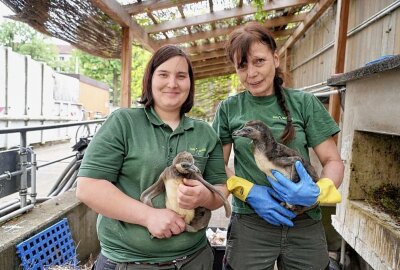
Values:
[(41, 100), (311, 86), (342, 253), (4, 205), (33, 118), (15, 204), (320, 89), (16, 213), (23, 190), (71, 181), (34, 128), (54, 161), (62, 175), (8, 175), (42, 199), (353, 31), (33, 169), (10, 208), (328, 93), (65, 180)]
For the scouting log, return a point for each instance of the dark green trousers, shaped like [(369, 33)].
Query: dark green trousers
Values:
[(201, 260), (254, 244)]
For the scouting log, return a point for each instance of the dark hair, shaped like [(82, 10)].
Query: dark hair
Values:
[(159, 57), (237, 49)]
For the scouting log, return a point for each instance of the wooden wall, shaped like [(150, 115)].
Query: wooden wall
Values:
[(381, 37)]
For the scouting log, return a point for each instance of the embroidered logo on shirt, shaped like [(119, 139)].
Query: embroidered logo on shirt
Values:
[(280, 117), (197, 151)]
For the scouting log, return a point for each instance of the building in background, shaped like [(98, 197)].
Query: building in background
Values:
[(94, 97)]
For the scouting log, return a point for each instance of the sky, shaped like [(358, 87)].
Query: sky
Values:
[(4, 10)]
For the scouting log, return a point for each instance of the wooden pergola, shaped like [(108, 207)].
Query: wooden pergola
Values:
[(199, 27), (203, 36)]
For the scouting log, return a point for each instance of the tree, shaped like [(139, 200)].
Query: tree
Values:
[(25, 40), (104, 70), (140, 57), (109, 71), (210, 92)]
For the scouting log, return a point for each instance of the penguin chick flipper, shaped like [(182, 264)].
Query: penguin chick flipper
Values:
[(227, 205), (299, 209), (200, 221), (152, 191), (287, 161), (190, 228)]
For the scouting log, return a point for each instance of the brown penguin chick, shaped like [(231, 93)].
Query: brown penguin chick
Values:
[(169, 180), (271, 155)]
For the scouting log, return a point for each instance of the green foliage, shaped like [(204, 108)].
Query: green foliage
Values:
[(25, 40), (260, 15), (109, 71), (210, 92), (140, 58), (104, 70)]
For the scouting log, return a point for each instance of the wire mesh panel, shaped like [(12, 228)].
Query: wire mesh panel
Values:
[(52, 246)]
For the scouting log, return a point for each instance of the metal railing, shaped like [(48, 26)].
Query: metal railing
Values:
[(64, 182), (322, 89)]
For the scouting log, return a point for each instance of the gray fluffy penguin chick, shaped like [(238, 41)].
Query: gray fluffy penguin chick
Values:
[(271, 155), (183, 167)]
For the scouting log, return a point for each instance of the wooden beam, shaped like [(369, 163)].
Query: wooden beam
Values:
[(126, 66), (116, 12), (211, 67), (113, 9), (206, 62), (286, 67), (225, 31), (205, 47), (207, 55), (312, 16), (204, 75), (152, 5), (342, 19), (223, 15)]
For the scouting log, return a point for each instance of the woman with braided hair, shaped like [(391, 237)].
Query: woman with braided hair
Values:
[(261, 231)]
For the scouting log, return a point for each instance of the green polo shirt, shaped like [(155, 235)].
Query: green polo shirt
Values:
[(131, 150), (312, 123)]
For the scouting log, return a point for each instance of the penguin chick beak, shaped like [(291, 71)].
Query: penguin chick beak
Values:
[(240, 133), (186, 167)]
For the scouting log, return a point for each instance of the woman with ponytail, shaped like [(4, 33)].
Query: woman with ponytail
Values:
[(261, 231)]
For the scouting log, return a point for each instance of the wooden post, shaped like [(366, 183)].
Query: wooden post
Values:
[(287, 58), (126, 65), (342, 18)]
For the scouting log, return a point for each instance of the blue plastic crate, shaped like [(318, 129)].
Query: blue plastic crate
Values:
[(52, 246)]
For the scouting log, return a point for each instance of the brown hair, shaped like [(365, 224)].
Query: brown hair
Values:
[(159, 57), (237, 49)]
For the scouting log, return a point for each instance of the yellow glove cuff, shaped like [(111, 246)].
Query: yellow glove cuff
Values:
[(328, 192), (239, 187)]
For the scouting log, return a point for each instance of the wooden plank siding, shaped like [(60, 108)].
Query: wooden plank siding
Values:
[(377, 39)]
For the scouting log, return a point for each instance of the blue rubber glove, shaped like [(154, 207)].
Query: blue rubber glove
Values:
[(305, 192), (267, 207)]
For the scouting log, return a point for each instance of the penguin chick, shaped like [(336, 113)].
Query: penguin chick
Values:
[(169, 181), (271, 155)]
